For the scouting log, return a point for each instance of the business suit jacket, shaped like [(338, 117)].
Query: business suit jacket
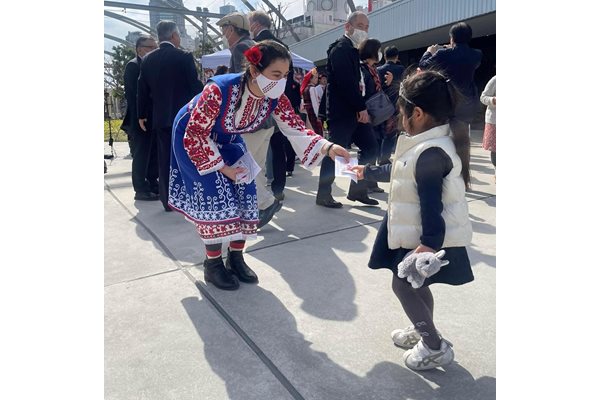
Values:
[(167, 81), (132, 72)]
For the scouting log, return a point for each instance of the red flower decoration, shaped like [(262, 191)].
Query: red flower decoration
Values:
[(253, 55)]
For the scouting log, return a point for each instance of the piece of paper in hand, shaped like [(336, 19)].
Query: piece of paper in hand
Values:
[(342, 168), (251, 169)]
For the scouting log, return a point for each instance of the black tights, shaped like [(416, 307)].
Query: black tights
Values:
[(493, 156), (418, 306)]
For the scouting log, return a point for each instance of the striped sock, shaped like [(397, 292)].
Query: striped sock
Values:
[(213, 251), (238, 245)]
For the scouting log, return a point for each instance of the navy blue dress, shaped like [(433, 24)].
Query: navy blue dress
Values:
[(432, 166)]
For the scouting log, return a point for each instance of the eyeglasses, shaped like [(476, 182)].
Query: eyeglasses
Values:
[(150, 47)]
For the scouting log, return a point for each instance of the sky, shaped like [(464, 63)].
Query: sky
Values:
[(119, 29)]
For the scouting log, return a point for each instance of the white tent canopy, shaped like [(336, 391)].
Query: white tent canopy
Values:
[(222, 57)]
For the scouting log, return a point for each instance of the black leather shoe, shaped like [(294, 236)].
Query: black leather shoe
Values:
[(146, 196), (264, 216), (216, 273), (289, 173), (237, 265), (365, 200), (329, 203), (376, 189)]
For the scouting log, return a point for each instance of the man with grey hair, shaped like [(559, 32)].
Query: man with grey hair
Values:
[(144, 167), (168, 80), (347, 114)]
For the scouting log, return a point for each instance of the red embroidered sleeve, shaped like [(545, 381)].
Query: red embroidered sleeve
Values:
[(306, 143), (197, 138)]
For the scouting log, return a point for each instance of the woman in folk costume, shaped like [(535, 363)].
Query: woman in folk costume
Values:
[(207, 183), (309, 97)]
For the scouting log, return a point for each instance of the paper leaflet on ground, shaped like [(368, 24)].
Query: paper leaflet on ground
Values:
[(251, 169), (343, 169)]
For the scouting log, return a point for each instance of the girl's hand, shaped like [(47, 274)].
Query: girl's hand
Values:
[(360, 172), (424, 249), (230, 172), (337, 150)]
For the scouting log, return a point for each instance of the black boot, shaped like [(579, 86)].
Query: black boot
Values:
[(237, 265), (216, 273)]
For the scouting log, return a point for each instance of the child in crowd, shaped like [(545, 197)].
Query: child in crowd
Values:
[(427, 209)]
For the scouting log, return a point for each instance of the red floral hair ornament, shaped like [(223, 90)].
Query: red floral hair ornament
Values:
[(253, 55)]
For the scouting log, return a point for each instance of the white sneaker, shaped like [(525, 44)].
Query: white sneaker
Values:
[(422, 357), (406, 338)]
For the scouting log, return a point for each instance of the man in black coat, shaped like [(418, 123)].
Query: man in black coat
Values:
[(281, 149), (459, 62), (347, 114), (144, 167), (167, 81)]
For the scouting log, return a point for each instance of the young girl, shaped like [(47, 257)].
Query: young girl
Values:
[(427, 209), (207, 141)]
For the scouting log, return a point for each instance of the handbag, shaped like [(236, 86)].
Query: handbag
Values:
[(379, 107)]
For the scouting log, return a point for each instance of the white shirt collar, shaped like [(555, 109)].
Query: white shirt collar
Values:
[(166, 41)]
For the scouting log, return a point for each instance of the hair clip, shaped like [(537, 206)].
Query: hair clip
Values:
[(401, 93)]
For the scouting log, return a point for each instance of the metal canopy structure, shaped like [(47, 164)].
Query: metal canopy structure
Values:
[(171, 10), (116, 39), (130, 21)]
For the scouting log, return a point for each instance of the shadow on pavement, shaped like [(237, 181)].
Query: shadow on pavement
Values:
[(312, 373)]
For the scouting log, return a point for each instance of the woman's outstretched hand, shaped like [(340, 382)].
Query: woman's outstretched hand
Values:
[(337, 150)]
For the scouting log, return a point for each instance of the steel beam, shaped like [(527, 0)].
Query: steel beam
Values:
[(197, 14), (130, 21), (116, 39)]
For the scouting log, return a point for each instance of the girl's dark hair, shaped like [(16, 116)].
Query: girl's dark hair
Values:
[(436, 95), (369, 49), (271, 51)]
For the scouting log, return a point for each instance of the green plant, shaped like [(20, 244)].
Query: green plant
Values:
[(117, 134)]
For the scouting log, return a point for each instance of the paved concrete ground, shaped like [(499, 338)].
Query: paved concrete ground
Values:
[(316, 326)]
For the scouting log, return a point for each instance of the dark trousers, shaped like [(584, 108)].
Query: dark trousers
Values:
[(283, 160), (385, 143), (144, 167), (345, 132), (163, 142)]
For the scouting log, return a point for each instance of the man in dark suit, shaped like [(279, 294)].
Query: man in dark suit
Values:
[(281, 149), (144, 167), (167, 81), (347, 114), (459, 62)]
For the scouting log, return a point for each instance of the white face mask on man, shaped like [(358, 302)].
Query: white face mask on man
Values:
[(270, 88), (358, 36)]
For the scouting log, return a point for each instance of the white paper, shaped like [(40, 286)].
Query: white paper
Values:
[(251, 168), (342, 168)]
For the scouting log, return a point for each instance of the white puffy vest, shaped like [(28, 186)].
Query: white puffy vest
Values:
[(404, 211)]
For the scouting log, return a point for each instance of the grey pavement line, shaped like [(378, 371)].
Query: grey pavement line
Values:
[(261, 355), (142, 277)]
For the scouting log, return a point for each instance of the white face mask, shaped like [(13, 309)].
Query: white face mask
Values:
[(380, 56), (358, 36), (270, 88)]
